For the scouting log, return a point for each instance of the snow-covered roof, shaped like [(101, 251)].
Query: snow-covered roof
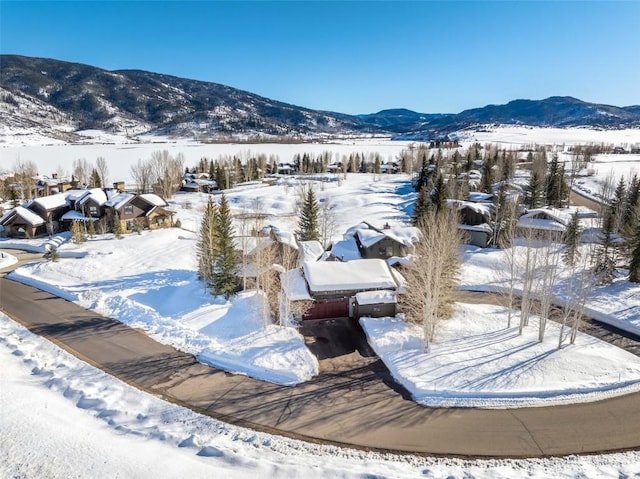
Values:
[(360, 274), (95, 194), (118, 201), (77, 194), (294, 286), (376, 297), (153, 199), (369, 237), (285, 237), (310, 250), (554, 214), (483, 227), (540, 224), (346, 250), (74, 215), (406, 261), (480, 197), (52, 201), (27, 215), (482, 208)]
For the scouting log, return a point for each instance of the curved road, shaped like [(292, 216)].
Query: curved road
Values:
[(357, 406)]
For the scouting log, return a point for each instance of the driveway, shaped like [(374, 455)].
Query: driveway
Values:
[(357, 405)]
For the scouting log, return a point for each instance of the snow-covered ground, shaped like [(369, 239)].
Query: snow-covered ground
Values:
[(120, 156), (477, 361), (617, 304), (607, 168), (149, 281), (63, 418)]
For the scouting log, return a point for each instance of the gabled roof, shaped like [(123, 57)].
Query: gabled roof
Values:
[(153, 199), (51, 202), (118, 201), (95, 194), (356, 275), (346, 249), (74, 215), (310, 250), (27, 215), (370, 235), (551, 219)]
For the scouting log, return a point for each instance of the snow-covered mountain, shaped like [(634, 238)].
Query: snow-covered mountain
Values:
[(52, 99), (132, 102)]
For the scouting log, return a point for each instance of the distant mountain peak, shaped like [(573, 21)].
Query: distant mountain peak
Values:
[(54, 99)]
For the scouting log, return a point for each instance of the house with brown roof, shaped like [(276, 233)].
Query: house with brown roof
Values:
[(138, 211), (364, 287)]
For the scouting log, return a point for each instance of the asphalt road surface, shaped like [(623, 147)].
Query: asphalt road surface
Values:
[(353, 401)]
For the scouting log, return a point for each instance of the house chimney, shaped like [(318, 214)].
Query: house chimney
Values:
[(386, 226)]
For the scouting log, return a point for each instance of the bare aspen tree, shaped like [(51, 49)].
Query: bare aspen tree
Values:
[(25, 172), (103, 170), (267, 283), (431, 281), (167, 172), (529, 263), (327, 222), (547, 280), (82, 170), (141, 173), (579, 286)]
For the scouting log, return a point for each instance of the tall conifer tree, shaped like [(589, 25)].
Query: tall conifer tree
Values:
[(308, 221)]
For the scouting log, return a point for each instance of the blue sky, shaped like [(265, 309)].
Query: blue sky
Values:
[(352, 57)]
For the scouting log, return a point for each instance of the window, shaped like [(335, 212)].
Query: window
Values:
[(93, 211), (128, 210)]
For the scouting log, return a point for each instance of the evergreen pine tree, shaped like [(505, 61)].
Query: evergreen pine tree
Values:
[(633, 198), (95, 179), (606, 254), (571, 239), (308, 221), (206, 245), (225, 274), (91, 228), (533, 192), (13, 195), (486, 182), (618, 204), (117, 226), (504, 219), (634, 265), (439, 195), (421, 208)]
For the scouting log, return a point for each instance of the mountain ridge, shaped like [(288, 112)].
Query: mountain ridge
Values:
[(58, 98)]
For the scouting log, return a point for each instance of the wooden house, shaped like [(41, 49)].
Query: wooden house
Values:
[(474, 220), (51, 209), (20, 222), (543, 223), (138, 211), (386, 242), (333, 287)]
